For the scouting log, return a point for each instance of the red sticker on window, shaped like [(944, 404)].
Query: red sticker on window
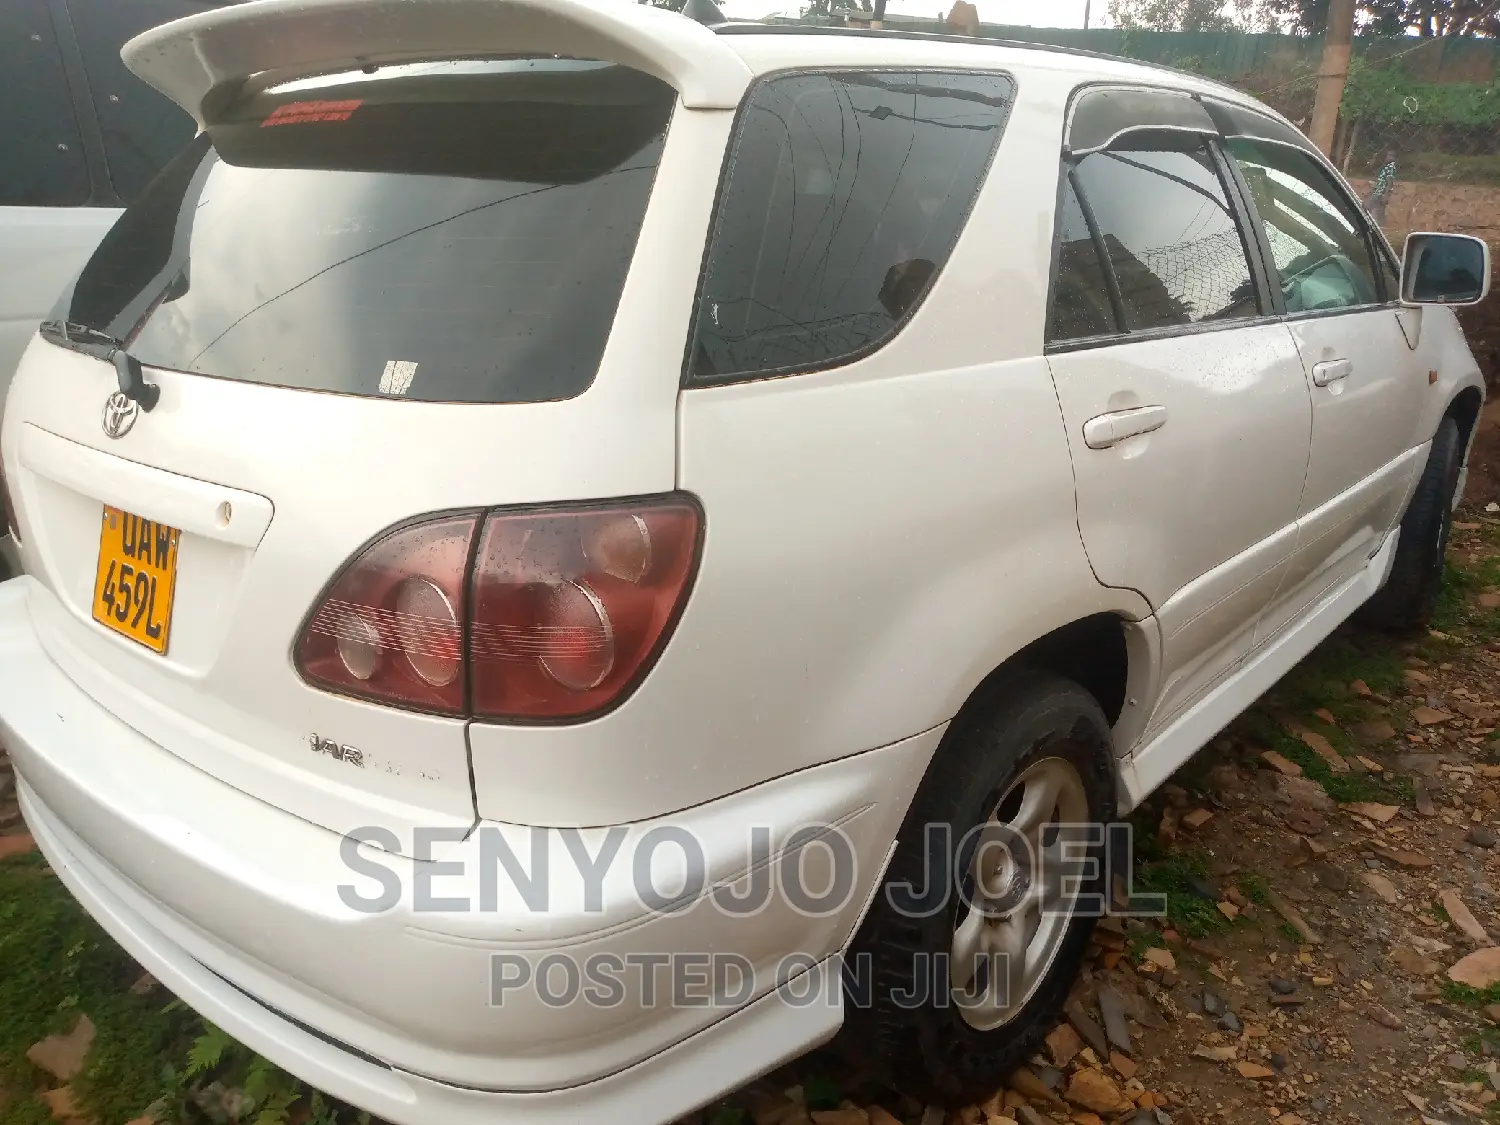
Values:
[(296, 113)]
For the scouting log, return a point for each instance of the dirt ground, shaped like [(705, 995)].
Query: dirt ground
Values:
[(1437, 206)]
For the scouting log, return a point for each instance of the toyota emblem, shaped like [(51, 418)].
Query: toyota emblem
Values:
[(120, 411)]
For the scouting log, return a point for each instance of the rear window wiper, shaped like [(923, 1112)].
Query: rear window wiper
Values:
[(132, 378)]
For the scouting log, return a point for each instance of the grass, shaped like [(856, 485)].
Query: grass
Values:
[(1166, 874), (55, 965), (1342, 787), (1255, 888), (1323, 678), (1458, 614), (1475, 1042), (1468, 996), (1321, 682)]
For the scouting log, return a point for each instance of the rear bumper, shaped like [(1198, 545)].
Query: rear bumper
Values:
[(661, 1088), (236, 907)]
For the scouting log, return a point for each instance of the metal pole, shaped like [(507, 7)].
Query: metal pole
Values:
[(1087, 5), (1338, 48)]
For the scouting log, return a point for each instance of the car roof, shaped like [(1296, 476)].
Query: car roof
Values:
[(770, 47)]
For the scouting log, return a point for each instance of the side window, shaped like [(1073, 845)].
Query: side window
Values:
[(1162, 214), (1317, 237), (1081, 304), (844, 197), (41, 154), (142, 129)]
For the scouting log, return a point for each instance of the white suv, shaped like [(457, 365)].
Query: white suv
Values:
[(555, 533)]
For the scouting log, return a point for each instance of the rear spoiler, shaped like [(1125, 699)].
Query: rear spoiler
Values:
[(205, 60)]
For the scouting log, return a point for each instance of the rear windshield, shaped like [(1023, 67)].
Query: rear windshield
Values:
[(450, 232)]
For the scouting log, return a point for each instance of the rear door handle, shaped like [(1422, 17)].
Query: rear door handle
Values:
[(1331, 371), (1108, 429)]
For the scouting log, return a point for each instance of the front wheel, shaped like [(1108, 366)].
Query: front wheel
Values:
[(969, 951), (1409, 596)]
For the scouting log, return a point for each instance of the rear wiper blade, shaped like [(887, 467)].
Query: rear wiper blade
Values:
[(128, 371)]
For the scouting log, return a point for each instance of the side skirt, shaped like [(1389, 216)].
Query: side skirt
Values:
[(1150, 765)]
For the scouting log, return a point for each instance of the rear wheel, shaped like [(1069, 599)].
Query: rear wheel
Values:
[(1409, 596), (966, 958)]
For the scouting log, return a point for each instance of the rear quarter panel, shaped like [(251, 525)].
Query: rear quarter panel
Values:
[(879, 538)]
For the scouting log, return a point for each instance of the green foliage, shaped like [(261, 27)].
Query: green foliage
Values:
[(1482, 1042), (208, 1050), (1171, 15), (1387, 92), (1187, 913), (1255, 888), (1467, 995), (1342, 787), (1457, 613), (821, 1092), (1398, 17), (55, 965), (1323, 678), (223, 1079)]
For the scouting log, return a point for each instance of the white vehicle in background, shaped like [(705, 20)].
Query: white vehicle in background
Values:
[(559, 431), (81, 138)]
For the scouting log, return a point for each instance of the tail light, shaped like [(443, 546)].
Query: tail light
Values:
[(531, 615), (389, 627)]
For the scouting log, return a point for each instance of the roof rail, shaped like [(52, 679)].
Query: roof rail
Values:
[(736, 28), (203, 60)]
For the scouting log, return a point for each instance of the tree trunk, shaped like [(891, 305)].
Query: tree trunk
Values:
[(1350, 144), (1338, 46)]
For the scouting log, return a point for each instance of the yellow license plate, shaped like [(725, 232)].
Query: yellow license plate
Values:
[(137, 578)]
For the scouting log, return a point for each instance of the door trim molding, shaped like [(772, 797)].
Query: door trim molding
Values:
[(1150, 765)]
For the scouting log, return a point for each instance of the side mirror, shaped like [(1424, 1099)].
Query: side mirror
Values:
[(1445, 269)]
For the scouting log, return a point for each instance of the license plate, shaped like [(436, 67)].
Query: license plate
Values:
[(136, 578)]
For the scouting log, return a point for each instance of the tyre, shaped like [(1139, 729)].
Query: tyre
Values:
[(940, 1023), (1409, 596)]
